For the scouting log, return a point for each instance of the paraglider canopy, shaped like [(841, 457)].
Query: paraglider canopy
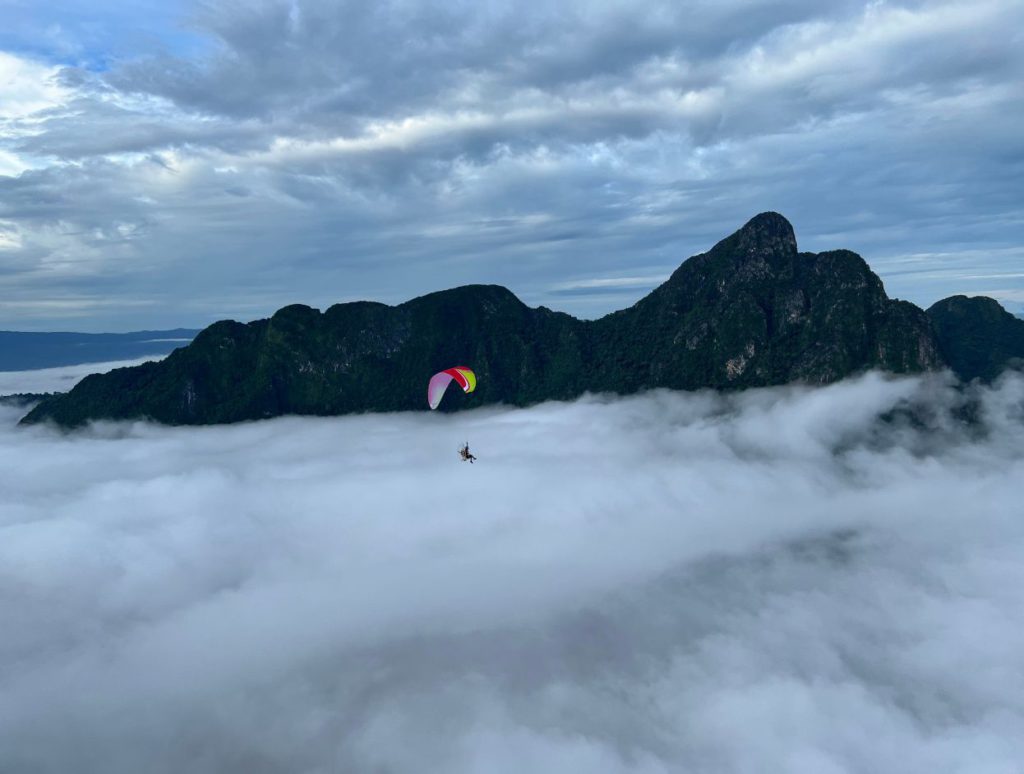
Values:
[(439, 382)]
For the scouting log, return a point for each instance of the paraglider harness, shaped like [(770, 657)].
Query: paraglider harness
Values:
[(464, 453)]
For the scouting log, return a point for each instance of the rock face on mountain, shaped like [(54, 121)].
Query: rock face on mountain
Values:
[(752, 311), (977, 337)]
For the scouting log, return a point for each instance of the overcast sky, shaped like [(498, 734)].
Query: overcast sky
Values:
[(771, 581), (170, 163)]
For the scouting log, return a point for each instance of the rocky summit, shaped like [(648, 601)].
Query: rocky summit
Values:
[(755, 311), (752, 311)]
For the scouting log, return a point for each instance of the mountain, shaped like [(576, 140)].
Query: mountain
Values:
[(977, 337), (23, 399), (22, 351), (752, 311)]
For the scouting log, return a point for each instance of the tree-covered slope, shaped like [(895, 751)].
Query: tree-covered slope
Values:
[(978, 338), (752, 311)]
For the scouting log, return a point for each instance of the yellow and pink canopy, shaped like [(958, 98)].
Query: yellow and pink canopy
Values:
[(439, 382)]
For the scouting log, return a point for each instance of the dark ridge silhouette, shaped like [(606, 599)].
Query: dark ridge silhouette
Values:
[(752, 311)]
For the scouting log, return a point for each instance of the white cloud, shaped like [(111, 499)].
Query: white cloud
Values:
[(10, 164), (773, 580), (9, 237), (27, 90), (28, 87), (601, 283)]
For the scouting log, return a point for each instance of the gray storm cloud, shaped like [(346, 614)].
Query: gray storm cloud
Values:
[(792, 580)]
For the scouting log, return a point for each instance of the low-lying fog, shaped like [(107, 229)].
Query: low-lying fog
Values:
[(777, 581)]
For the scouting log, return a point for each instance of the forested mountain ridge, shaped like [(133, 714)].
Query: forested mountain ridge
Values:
[(752, 311)]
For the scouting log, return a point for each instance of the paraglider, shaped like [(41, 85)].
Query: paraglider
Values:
[(439, 382)]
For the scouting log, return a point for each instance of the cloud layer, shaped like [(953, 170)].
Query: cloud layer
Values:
[(774, 580), (60, 379), (258, 154)]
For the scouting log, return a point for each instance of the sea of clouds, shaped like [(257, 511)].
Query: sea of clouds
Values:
[(784, 580)]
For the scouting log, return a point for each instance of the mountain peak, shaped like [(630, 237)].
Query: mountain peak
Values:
[(771, 222), (768, 230), (765, 236), (969, 304)]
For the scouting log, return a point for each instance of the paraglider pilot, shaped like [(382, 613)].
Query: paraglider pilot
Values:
[(464, 453)]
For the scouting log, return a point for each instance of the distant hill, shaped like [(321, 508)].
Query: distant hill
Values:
[(22, 399), (21, 351), (978, 338), (752, 311)]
